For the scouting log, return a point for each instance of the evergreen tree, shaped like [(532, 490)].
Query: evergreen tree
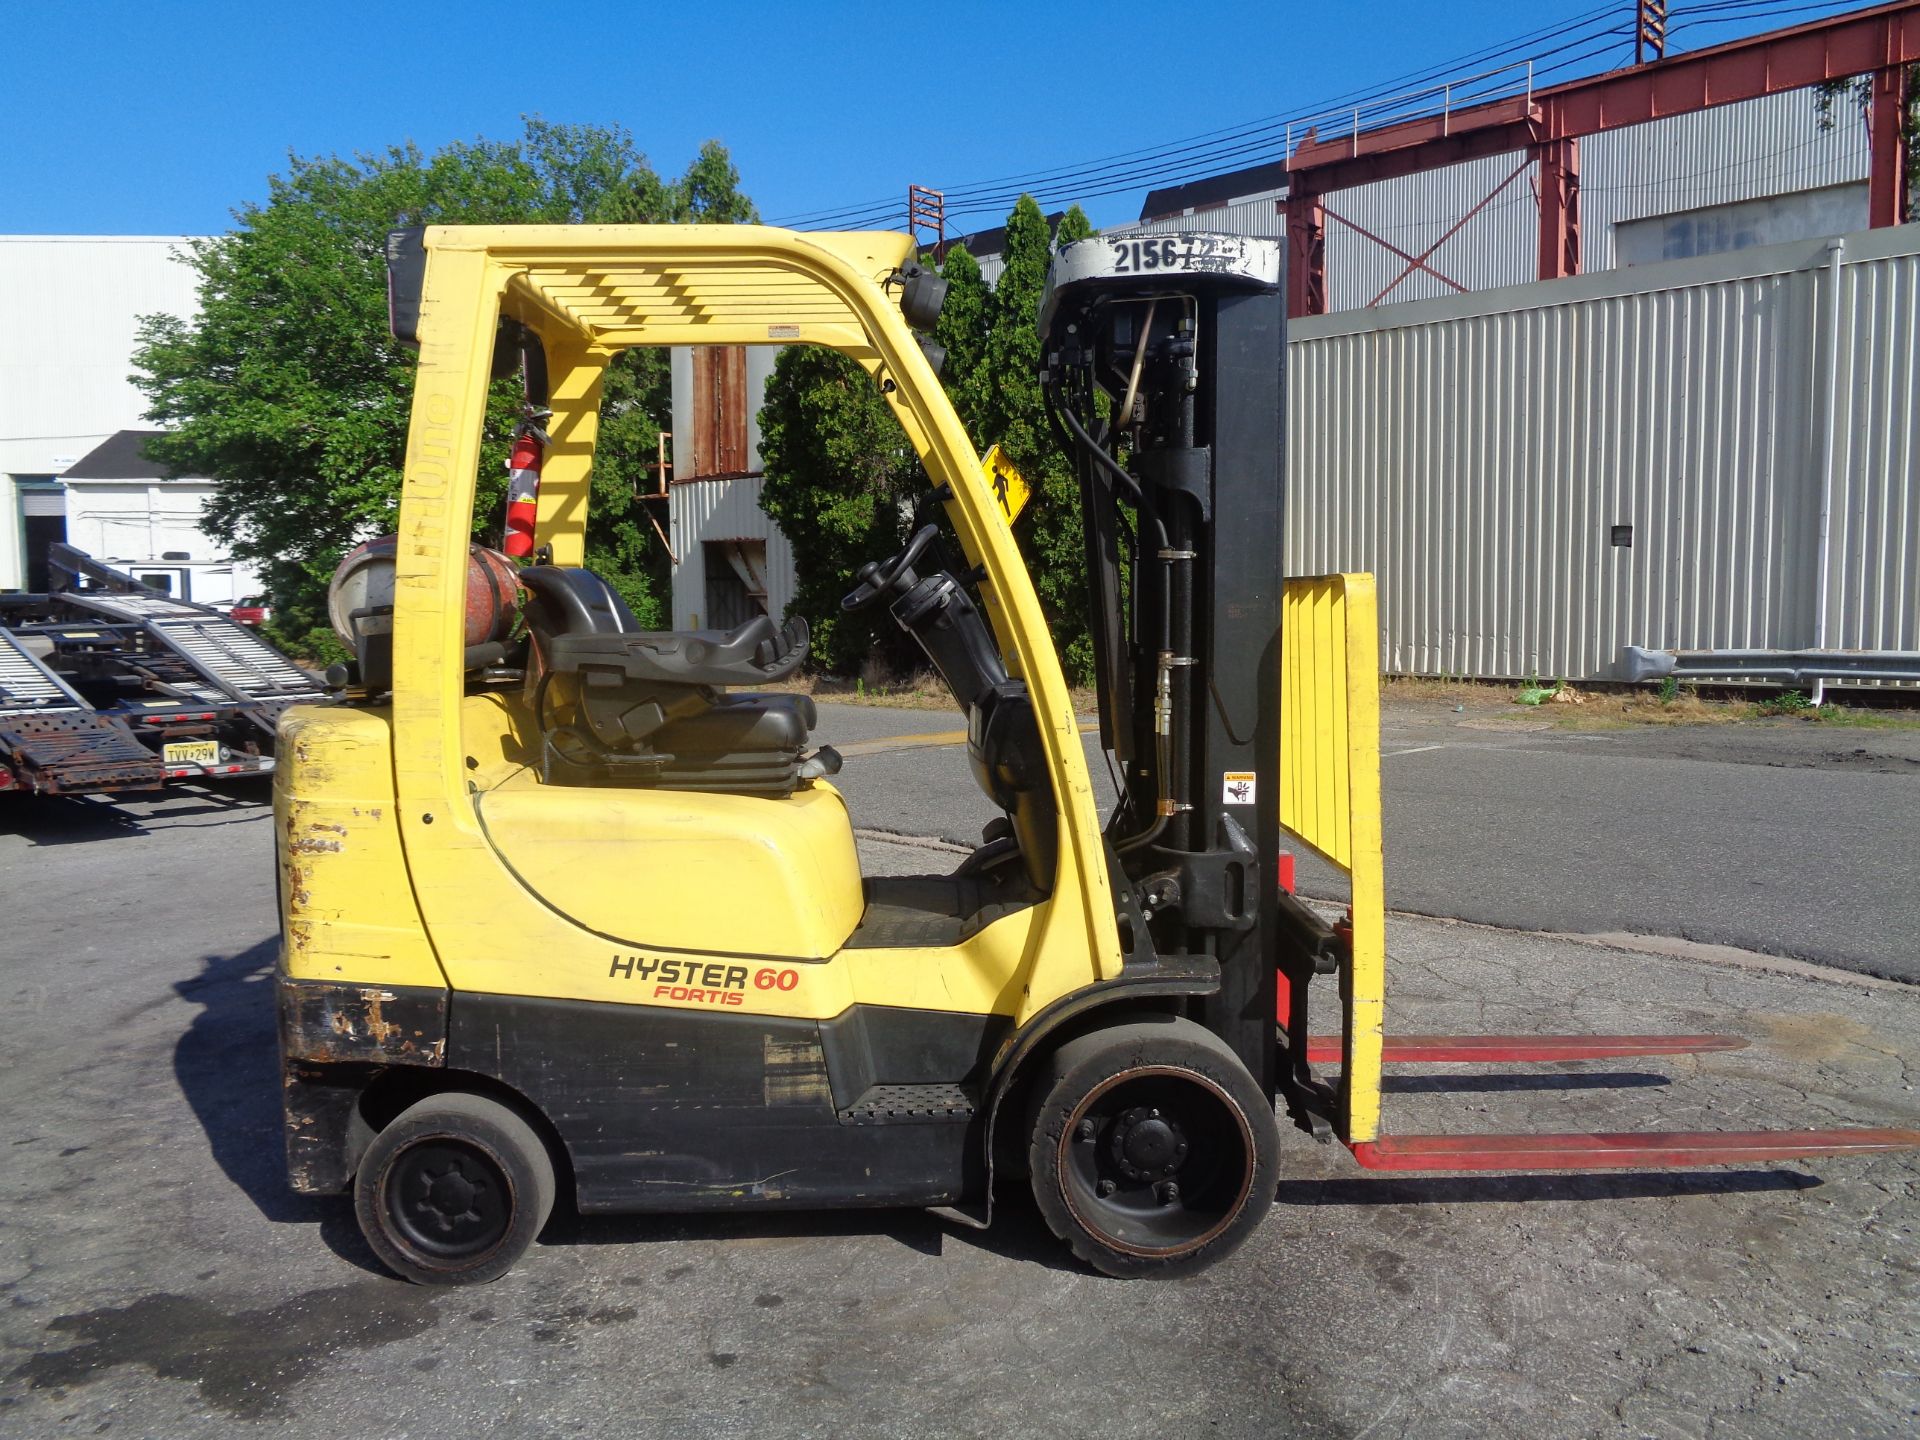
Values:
[(841, 482), (962, 329), (1009, 411), (842, 479)]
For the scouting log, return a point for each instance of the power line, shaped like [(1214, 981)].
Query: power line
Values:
[(1582, 40), (1267, 124)]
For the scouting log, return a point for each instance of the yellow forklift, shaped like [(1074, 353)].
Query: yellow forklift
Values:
[(573, 908)]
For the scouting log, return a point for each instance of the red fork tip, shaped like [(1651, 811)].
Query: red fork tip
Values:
[(1623, 1150), (1522, 1049)]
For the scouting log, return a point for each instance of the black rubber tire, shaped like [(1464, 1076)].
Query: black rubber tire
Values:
[(504, 1178), (1225, 1168)]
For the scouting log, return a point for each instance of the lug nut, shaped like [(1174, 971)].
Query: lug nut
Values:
[(1107, 1187), (1167, 1191)]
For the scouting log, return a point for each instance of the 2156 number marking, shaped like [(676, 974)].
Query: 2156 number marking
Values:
[(1132, 256)]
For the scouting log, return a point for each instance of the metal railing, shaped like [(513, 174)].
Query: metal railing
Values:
[(1795, 669), (1506, 82)]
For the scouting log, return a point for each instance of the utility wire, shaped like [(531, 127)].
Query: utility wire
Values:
[(1221, 142), (1582, 40)]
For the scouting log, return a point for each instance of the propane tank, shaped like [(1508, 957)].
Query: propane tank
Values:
[(360, 603)]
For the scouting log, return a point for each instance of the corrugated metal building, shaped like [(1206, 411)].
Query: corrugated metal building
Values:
[(1776, 146), (729, 557), (1701, 454), (1541, 474), (72, 305)]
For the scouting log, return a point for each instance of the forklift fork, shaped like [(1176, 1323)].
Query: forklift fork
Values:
[(1330, 802)]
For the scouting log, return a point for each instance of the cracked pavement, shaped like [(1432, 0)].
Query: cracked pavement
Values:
[(158, 1277)]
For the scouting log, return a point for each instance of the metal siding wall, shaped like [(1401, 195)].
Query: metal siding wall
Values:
[(1496, 247), (1874, 577), (1256, 215), (705, 510), (1713, 157), (1760, 147), (1474, 452)]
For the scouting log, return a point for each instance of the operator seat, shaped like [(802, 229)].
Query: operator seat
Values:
[(622, 705)]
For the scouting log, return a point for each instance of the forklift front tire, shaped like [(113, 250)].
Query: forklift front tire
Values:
[(1153, 1153), (454, 1190)]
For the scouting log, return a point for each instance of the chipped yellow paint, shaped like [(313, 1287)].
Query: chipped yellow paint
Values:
[(347, 912)]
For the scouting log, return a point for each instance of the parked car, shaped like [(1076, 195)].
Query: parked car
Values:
[(251, 610)]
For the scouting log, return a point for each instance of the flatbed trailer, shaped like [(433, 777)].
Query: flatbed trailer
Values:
[(108, 686)]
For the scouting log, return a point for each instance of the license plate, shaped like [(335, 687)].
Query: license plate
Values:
[(191, 752)]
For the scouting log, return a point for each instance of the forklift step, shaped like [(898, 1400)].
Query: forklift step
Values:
[(1518, 1049), (909, 1104), (1629, 1150)]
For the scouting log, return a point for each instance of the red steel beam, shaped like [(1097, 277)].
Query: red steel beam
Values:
[(1518, 1049), (1559, 209), (1887, 148), (1629, 1150), (1452, 230), (1306, 254), (1859, 43), (1414, 262)]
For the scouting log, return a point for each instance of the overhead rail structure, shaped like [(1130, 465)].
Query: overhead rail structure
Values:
[(1545, 127)]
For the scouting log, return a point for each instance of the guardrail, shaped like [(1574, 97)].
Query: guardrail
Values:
[(1793, 668)]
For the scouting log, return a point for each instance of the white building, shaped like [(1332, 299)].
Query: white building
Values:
[(122, 508), (73, 305)]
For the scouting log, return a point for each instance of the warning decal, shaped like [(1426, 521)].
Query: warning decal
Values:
[(1237, 787)]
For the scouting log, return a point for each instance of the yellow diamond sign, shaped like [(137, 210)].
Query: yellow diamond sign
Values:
[(1009, 486)]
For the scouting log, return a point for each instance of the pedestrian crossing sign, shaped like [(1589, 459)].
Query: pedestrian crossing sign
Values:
[(1009, 486)]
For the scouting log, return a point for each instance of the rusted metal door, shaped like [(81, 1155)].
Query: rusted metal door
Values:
[(719, 439)]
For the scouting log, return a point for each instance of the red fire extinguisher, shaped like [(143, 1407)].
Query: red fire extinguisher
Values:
[(529, 451), (523, 484)]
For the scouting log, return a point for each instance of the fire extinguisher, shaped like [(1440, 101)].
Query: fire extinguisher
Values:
[(529, 451)]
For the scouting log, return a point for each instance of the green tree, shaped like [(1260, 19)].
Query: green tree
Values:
[(841, 482), (962, 330), (1004, 400), (1857, 93), (287, 391)]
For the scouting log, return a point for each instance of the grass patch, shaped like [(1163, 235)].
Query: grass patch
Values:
[(1602, 706)]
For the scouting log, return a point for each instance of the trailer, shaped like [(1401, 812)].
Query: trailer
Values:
[(109, 686)]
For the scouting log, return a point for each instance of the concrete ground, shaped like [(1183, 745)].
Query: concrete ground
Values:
[(158, 1278)]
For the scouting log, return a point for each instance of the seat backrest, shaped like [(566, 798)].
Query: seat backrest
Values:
[(567, 601)]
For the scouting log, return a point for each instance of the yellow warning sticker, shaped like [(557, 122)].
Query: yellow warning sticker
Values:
[(1237, 787), (1009, 486)]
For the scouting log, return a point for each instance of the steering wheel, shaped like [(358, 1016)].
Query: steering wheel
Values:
[(876, 578)]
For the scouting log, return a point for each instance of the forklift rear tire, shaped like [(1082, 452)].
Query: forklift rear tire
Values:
[(454, 1190), (1153, 1152)]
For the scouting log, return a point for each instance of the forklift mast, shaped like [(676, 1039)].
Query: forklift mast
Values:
[(1164, 373)]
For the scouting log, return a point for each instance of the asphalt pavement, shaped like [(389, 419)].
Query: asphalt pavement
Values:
[(1787, 837), (159, 1279)]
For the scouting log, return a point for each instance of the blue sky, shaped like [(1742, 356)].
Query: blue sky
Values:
[(160, 118)]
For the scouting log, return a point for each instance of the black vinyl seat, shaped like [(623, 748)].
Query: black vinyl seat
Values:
[(645, 707)]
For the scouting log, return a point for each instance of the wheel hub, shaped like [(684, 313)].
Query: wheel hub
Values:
[(449, 1198), (1146, 1145)]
